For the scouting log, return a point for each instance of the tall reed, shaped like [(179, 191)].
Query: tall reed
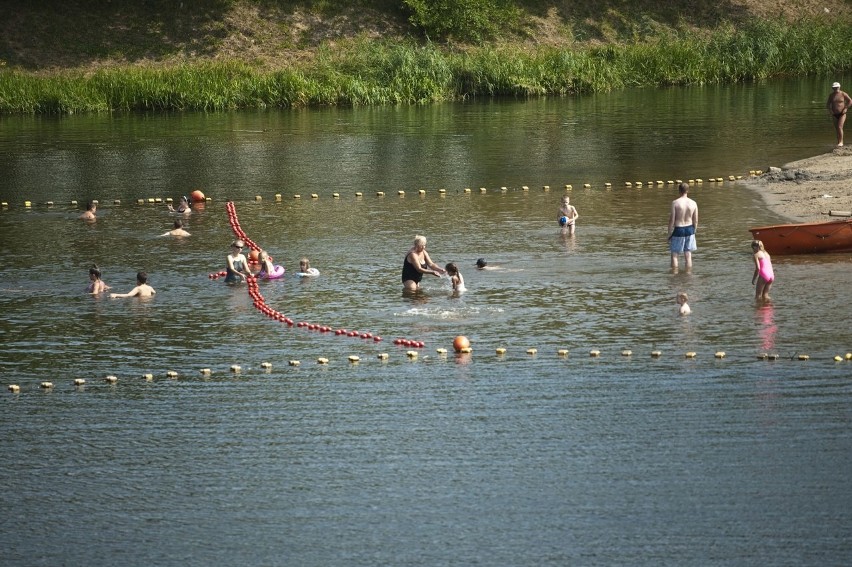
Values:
[(365, 72)]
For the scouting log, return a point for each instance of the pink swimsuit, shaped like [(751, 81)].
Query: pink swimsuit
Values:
[(765, 270)]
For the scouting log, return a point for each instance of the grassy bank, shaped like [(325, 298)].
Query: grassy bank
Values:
[(365, 71)]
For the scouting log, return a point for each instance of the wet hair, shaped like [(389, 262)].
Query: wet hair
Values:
[(178, 223), (452, 269), (95, 271), (481, 263), (306, 263), (91, 205), (682, 296), (142, 277), (683, 188)]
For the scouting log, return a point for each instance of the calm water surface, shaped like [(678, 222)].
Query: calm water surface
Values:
[(472, 459)]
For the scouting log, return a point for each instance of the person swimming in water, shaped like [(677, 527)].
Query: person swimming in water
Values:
[(142, 288), (683, 306), (305, 269), (237, 264), (178, 229), (416, 263)]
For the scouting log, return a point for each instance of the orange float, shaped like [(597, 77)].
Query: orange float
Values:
[(197, 196), (461, 342)]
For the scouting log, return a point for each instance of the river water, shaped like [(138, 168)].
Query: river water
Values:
[(439, 459)]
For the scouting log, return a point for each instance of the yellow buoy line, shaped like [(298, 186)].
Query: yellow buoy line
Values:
[(442, 353), (279, 197)]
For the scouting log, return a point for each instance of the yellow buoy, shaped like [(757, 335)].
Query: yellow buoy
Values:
[(608, 185), (773, 357), (148, 377), (656, 353), (110, 379), (79, 381), (525, 188), (258, 198), (401, 193), (562, 352), (545, 187), (441, 350), (803, 357), (359, 194), (442, 191), (849, 356), (28, 204), (266, 365), (483, 190), (532, 350), (46, 385), (115, 202), (699, 180), (838, 358), (294, 363), (422, 191), (278, 196), (383, 356), (466, 350), (156, 200), (205, 371), (314, 196), (568, 187), (335, 195), (235, 368), (587, 185), (467, 189), (594, 353), (172, 374), (297, 196), (689, 354), (504, 189), (628, 184), (354, 358), (14, 388), (627, 353), (500, 350), (322, 360), (411, 354), (720, 354), (762, 356), (380, 193), (140, 201)]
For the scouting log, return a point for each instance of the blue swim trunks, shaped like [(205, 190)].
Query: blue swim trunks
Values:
[(683, 239)]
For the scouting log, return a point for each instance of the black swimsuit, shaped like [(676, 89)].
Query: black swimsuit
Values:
[(409, 272)]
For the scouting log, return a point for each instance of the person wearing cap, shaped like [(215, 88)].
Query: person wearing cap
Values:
[(838, 103)]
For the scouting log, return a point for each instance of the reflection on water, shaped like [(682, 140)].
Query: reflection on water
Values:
[(479, 458)]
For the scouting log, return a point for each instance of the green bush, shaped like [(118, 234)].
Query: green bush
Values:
[(469, 21)]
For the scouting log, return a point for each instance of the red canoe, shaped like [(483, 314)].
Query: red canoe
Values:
[(806, 238)]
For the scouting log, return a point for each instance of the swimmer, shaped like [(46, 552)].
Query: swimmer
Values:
[(305, 269), (91, 209), (481, 264), (178, 229), (763, 273), (455, 276), (416, 263), (142, 288), (566, 215), (96, 284), (237, 265), (183, 207), (682, 299)]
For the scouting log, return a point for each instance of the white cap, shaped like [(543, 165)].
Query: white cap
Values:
[(836, 85)]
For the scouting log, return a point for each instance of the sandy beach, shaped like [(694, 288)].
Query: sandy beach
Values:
[(809, 189)]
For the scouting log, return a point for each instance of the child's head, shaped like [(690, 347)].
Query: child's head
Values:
[(452, 269), (263, 256), (304, 265), (565, 199), (682, 298), (94, 273), (141, 278), (92, 205), (481, 263), (178, 223), (756, 245)]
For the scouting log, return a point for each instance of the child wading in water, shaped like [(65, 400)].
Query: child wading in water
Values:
[(682, 299), (763, 274), (455, 276), (567, 215)]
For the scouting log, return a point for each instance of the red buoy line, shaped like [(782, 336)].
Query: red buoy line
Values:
[(260, 303)]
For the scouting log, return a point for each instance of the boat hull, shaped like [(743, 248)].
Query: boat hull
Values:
[(806, 238)]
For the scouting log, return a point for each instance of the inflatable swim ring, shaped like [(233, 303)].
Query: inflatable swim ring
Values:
[(277, 272), (310, 273)]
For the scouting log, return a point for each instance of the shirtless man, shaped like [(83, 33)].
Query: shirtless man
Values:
[(838, 103), (142, 288), (178, 229), (91, 209), (683, 222)]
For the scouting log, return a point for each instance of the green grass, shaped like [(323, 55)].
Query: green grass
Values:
[(369, 72)]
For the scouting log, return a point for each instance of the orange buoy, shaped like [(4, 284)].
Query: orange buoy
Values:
[(461, 342), (254, 255), (197, 196)]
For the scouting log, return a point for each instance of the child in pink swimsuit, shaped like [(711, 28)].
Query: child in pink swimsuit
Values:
[(763, 274)]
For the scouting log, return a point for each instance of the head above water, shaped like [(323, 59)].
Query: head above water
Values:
[(683, 188), (757, 245), (304, 265), (452, 269), (481, 263), (142, 278), (95, 271), (682, 298)]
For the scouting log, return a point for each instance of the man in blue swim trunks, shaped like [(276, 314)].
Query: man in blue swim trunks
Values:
[(683, 222)]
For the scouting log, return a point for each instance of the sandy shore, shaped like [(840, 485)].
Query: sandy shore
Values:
[(809, 189)]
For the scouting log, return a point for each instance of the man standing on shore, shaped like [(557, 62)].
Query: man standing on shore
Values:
[(683, 221), (838, 103)]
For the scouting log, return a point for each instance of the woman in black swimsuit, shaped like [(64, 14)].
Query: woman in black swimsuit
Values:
[(417, 262)]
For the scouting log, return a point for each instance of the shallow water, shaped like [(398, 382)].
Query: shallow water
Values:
[(518, 459)]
